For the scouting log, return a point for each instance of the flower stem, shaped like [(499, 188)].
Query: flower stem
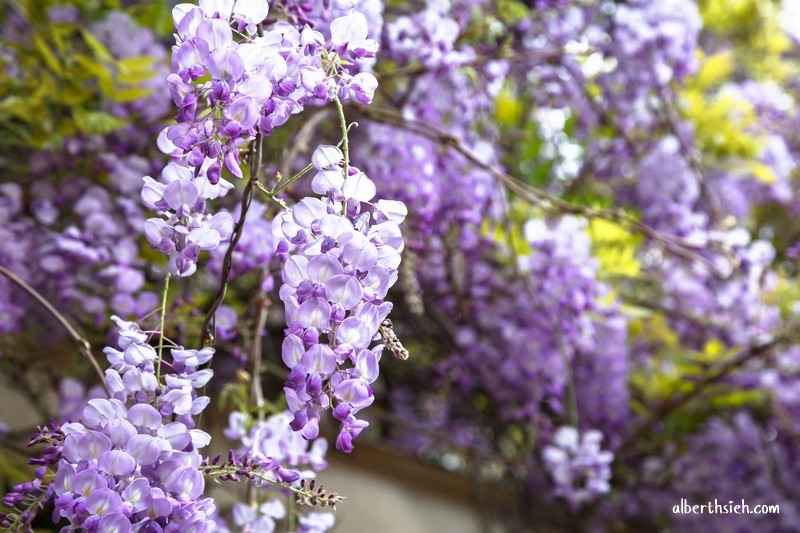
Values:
[(161, 329), (280, 186), (292, 512), (271, 195), (345, 142)]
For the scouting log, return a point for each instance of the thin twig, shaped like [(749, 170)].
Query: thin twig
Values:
[(301, 144), (84, 347), (255, 352), (163, 318)]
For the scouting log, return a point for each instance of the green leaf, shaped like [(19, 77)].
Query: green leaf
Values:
[(50, 60), (91, 66), (135, 70), (96, 122), (157, 16), (99, 49), (129, 95)]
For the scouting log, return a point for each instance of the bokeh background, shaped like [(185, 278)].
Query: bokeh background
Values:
[(598, 290)]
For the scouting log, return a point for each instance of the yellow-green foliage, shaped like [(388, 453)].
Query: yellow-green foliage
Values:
[(511, 11), (677, 371), (509, 233), (726, 126), (509, 109), (753, 25), (723, 123), (615, 248), (785, 296), (59, 76)]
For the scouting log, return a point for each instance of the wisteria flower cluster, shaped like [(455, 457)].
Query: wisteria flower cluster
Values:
[(273, 439), (132, 462), (186, 226), (580, 468), (348, 251), (135, 373), (126, 465), (254, 87)]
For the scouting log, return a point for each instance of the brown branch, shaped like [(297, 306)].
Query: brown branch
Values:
[(530, 55), (84, 347), (207, 331), (676, 245)]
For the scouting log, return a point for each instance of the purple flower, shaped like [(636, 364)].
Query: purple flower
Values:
[(580, 469), (349, 250)]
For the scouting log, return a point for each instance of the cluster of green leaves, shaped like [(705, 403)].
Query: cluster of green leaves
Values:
[(679, 376), (56, 76)]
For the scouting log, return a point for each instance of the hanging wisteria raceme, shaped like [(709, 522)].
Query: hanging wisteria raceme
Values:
[(346, 259), (128, 463)]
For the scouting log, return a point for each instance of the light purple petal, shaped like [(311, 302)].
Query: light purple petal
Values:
[(344, 290), (117, 463), (138, 494), (360, 187), (319, 359), (204, 238), (225, 65), (103, 501), (144, 449), (322, 267), (308, 210), (216, 33), (367, 365), (356, 392), (327, 157), (119, 431), (354, 332), (360, 253), (114, 523), (294, 270), (251, 11), (350, 30), (292, 350), (327, 180), (152, 192), (144, 416), (256, 87), (180, 193), (335, 226), (314, 313)]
